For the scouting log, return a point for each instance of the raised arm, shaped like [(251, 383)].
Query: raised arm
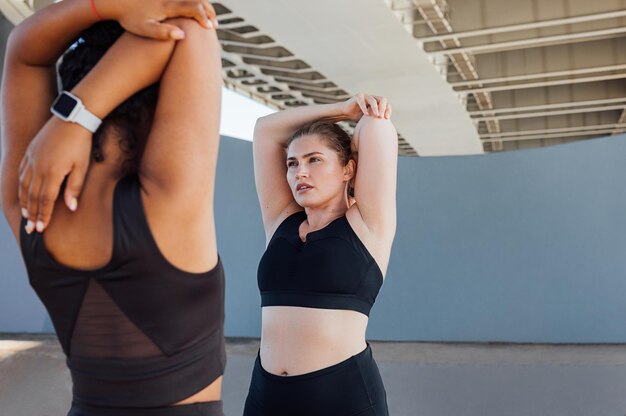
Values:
[(271, 134), (180, 158), (30, 62), (40, 39), (376, 142), (178, 166)]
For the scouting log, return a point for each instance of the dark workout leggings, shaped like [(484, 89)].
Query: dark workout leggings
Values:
[(351, 388), (196, 409)]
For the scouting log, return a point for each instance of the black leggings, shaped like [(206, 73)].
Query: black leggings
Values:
[(352, 387), (195, 409)]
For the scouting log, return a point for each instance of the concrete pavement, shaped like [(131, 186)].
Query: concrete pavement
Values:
[(422, 379)]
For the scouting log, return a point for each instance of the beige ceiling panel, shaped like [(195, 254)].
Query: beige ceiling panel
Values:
[(521, 74)]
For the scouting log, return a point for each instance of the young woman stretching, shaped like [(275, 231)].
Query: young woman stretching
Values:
[(130, 273), (329, 229)]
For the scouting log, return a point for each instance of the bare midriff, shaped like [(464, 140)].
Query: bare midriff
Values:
[(297, 340), (210, 393)]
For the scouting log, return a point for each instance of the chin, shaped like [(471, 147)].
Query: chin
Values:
[(305, 202)]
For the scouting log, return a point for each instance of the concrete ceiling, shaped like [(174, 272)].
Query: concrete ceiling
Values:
[(533, 73), (338, 48), (464, 76), (527, 73)]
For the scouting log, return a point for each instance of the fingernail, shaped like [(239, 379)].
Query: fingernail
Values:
[(24, 213), (177, 34), (73, 204), (209, 24), (30, 227), (40, 226)]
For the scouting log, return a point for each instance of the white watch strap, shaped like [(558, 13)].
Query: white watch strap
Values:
[(87, 119)]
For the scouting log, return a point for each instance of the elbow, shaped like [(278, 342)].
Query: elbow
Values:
[(194, 32), (367, 120), (198, 38), (258, 123), (13, 44), (261, 122), (19, 44), (184, 23), (23, 47), (259, 127), (380, 128)]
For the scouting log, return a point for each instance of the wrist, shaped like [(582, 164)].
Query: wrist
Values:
[(43, 37), (70, 108), (335, 112), (62, 131), (105, 9), (95, 11), (342, 110)]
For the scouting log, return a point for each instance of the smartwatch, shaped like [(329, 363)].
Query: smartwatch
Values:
[(69, 107)]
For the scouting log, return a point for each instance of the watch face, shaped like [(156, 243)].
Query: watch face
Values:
[(64, 105)]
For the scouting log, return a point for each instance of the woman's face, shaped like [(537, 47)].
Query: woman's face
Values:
[(315, 173)]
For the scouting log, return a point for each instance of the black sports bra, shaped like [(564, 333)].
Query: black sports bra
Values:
[(331, 270), (137, 332)]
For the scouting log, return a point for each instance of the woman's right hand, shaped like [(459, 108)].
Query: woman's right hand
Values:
[(364, 104), (60, 149), (145, 17)]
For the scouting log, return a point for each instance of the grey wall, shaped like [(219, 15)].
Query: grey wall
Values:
[(5, 29), (522, 247)]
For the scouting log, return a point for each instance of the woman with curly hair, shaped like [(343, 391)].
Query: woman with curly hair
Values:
[(126, 261)]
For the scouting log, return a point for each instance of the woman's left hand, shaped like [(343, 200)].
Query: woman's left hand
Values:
[(58, 150), (364, 104), (145, 17)]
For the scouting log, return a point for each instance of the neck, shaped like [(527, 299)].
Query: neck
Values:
[(319, 217)]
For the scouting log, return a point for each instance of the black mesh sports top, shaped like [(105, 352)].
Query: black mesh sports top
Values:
[(137, 332), (331, 270)]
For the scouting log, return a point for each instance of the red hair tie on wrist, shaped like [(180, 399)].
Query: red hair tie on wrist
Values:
[(95, 11)]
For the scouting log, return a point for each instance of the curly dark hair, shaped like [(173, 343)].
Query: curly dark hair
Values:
[(334, 136), (132, 119)]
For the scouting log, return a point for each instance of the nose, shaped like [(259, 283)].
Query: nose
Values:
[(301, 172)]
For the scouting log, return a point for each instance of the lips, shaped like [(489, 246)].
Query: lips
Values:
[(301, 187)]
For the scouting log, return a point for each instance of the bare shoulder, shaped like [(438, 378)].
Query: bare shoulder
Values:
[(378, 242)]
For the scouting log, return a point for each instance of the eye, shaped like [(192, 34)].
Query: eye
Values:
[(291, 164), (315, 159)]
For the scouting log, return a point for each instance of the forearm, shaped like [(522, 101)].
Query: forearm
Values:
[(278, 127), (131, 64), (43, 37)]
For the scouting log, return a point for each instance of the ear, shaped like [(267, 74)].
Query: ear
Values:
[(349, 171)]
